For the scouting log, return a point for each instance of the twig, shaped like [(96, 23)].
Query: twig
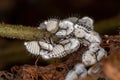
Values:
[(22, 32)]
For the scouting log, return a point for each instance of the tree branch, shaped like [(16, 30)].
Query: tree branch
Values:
[(22, 32)]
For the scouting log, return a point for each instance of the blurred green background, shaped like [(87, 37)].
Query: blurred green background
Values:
[(106, 14)]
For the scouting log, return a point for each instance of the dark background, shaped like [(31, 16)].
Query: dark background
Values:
[(32, 12)]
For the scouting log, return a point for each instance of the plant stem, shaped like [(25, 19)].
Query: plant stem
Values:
[(22, 32)]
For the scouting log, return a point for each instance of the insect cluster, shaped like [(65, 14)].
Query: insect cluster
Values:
[(72, 32)]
